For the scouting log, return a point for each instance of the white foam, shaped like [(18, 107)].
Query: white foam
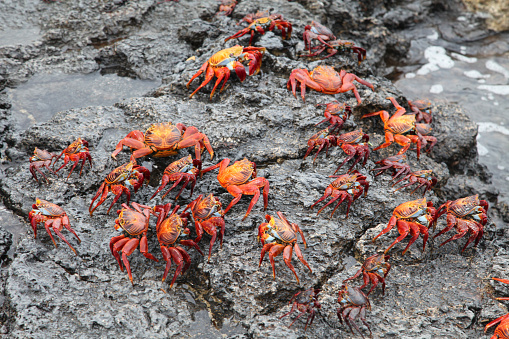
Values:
[(481, 150), (437, 58), (433, 36), (464, 58), (497, 89), (485, 127), (475, 74), (481, 81), (410, 75), (496, 67), (500, 167), (436, 89)]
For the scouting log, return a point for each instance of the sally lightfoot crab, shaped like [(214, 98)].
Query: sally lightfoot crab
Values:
[(374, 270), (41, 158), (53, 217), (76, 151), (502, 330), (336, 113), (356, 146), (346, 187), (134, 221), (278, 236), (396, 163), (260, 25), (354, 304), (326, 80), (226, 60), (423, 178), (182, 169), (305, 302)]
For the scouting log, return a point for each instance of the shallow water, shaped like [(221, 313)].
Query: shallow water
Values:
[(13, 224), (19, 36)]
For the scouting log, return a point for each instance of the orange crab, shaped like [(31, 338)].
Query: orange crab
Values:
[(117, 181), (326, 80), (502, 330), (226, 7), (133, 221), (182, 169), (234, 179), (208, 215), (41, 158), (414, 217), (372, 270), (397, 127), (54, 217), (226, 60), (336, 113), (278, 236), (356, 145), (165, 139), (76, 151), (260, 25)]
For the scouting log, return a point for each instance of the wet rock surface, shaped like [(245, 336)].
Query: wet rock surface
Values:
[(438, 292)]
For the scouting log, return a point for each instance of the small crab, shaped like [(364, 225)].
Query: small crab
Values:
[(76, 151), (226, 7), (354, 144), (422, 110), (396, 163), (326, 80), (53, 217), (468, 215), (235, 178), (328, 41), (133, 221), (226, 60), (208, 215), (117, 182), (336, 113), (399, 125), (414, 217), (182, 169), (353, 306), (346, 186), (171, 228), (374, 270), (41, 158), (278, 235), (260, 25), (322, 139), (305, 302), (424, 178), (165, 139), (502, 330)]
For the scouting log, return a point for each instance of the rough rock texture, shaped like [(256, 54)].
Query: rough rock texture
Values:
[(496, 12), (48, 291)]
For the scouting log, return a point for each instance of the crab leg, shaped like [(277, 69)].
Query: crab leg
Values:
[(287, 257), (127, 250), (301, 257), (208, 76), (179, 261), (65, 223), (116, 244), (274, 252), (144, 248)]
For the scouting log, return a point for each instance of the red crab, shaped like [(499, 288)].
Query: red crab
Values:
[(398, 125), (305, 302), (208, 215), (235, 178), (346, 186), (226, 7), (76, 151), (182, 169), (278, 235), (353, 306), (133, 221), (41, 158), (414, 217), (354, 144), (502, 330), (322, 139), (396, 163), (424, 178), (171, 228), (260, 25), (374, 270), (117, 181), (165, 139), (422, 110), (54, 217), (468, 215), (328, 41), (326, 80), (226, 60), (336, 113)]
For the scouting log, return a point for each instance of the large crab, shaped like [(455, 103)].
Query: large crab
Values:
[(396, 163), (165, 139), (260, 25), (374, 270), (354, 304), (354, 144), (208, 215), (345, 187), (317, 31), (468, 215), (171, 229), (414, 217), (398, 127), (41, 158), (235, 178), (423, 178), (182, 169), (76, 151), (336, 113), (326, 80), (305, 302), (278, 236), (226, 60), (117, 181), (502, 330), (53, 217), (133, 221)]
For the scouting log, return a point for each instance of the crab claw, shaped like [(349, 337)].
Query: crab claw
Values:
[(240, 70)]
